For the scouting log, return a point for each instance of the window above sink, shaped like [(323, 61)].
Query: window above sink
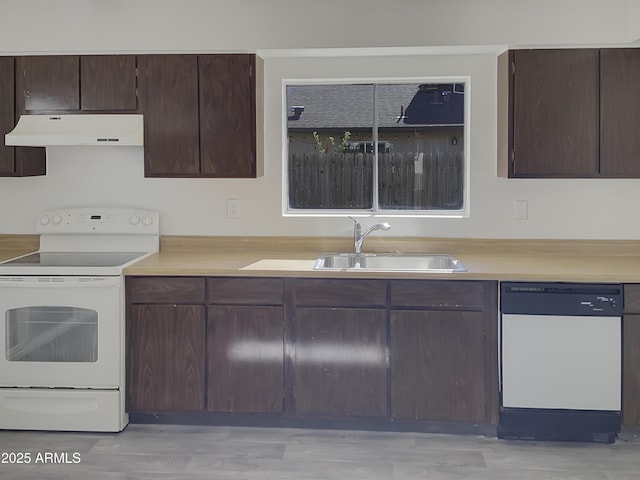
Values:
[(384, 147)]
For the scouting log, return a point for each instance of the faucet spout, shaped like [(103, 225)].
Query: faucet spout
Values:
[(359, 236)]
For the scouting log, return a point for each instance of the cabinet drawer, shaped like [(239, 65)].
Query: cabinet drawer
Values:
[(439, 294), (245, 291), (632, 298), (166, 289), (341, 293)]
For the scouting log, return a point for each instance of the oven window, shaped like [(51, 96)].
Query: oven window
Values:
[(52, 334)]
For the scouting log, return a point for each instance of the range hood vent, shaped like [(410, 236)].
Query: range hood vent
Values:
[(97, 130)]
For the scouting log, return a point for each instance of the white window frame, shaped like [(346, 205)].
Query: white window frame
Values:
[(463, 213)]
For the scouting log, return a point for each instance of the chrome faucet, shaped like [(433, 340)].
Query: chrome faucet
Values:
[(359, 237)]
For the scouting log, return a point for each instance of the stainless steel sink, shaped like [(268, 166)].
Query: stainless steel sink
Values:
[(391, 262)]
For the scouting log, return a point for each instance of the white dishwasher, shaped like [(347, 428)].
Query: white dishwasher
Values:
[(560, 361)]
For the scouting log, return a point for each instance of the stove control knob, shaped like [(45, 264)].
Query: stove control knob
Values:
[(44, 219), (56, 219), (134, 219), (146, 221)]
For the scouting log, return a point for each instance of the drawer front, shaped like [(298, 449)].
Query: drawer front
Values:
[(177, 290), (245, 291), (632, 298), (438, 294), (341, 293)]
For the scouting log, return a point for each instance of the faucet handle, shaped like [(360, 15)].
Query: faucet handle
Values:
[(356, 224)]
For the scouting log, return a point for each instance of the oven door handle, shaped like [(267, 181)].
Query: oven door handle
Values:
[(59, 282)]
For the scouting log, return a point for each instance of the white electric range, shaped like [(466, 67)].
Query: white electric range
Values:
[(63, 361)]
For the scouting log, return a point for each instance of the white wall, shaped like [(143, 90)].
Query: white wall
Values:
[(634, 21), (170, 25), (114, 175)]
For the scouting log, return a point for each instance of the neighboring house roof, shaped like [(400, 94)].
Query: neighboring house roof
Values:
[(345, 107)]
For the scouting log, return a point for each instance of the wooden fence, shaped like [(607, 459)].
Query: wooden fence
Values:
[(405, 181)]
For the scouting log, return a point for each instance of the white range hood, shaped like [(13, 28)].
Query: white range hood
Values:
[(80, 129)]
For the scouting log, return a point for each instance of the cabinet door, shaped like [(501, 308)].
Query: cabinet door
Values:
[(620, 112), (30, 161), (340, 363), (227, 115), (15, 161), (7, 109), (245, 359), (631, 356), (555, 113), (169, 102), (108, 82), (48, 83), (631, 370), (166, 358), (437, 365)]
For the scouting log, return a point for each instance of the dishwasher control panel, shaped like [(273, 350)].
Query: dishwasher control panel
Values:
[(559, 298)]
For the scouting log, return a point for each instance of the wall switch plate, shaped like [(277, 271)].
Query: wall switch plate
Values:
[(522, 210), (233, 208)]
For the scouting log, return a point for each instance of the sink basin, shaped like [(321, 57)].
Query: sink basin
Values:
[(391, 262)]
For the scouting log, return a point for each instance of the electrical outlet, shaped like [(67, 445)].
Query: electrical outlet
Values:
[(233, 208), (522, 209)]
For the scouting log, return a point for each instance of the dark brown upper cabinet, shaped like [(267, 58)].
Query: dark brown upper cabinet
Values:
[(200, 111), (64, 84), (108, 83), (200, 115), (48, 83), (169, 102), (554, 113), (71, 83), (227, 115), (569, 113), (15, 161), (7, 115), (620, 112)]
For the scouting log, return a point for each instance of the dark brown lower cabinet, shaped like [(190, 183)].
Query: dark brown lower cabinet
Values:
[(166, 365), (437, 365), (245, 359), (340, 364), (444, 350), (378, 350), (631, 356), (631, 369)]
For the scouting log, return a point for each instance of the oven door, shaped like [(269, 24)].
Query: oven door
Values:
[(61, 331)]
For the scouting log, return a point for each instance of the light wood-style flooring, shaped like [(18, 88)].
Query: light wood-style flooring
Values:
[(168, 452)]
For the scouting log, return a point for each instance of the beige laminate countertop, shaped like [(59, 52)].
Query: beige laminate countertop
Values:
[(15, 245), (531, 260)]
